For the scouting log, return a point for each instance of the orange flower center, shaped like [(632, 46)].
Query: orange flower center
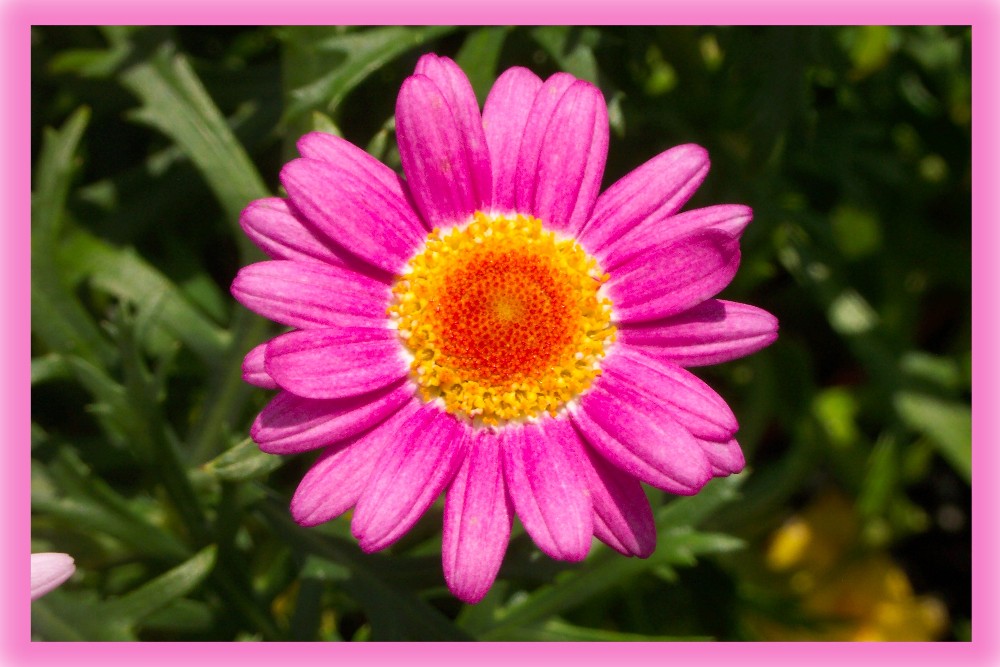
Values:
[(503, 319)]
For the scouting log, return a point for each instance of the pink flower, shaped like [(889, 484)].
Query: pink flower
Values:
[(49, 571), (495, 328)]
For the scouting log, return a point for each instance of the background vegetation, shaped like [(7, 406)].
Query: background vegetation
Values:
[(852, 144)]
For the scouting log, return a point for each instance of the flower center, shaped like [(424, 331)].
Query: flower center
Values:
[(503, 319)]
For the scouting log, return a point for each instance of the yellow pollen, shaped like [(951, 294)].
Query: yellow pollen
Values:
[(503, 319)]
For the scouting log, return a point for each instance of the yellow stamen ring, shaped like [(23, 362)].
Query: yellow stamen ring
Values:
[(503, 319)]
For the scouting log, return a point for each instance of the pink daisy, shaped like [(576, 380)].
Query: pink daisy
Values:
[(493, 327)]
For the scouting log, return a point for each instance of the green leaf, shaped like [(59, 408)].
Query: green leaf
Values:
[(947, 423), (363, 54), (180, 616), (692, 510), (560, 631), (166, 588), (71, 492), (678, 544), (243, 462), (572, 48), (47, 368), (395, 614), (57, 317), (159, 303), (176, 103), (881, 478), (80, 616), (479, 56), (75, 617)]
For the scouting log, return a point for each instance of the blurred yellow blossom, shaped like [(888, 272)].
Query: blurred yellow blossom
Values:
[(844, 591)]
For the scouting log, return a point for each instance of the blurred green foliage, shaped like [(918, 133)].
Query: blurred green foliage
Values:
[(852, 144)]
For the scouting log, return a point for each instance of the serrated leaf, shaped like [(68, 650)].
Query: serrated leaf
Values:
[(243, 462)]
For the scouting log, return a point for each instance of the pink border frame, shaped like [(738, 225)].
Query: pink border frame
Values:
[(19, 15)]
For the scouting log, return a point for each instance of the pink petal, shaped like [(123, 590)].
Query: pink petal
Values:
[(445, 161), (309, 295), (546, 482), (543, 107), (337, 151), (690, 401), (253, 369), (455, 86), (655, 190), (662, 230), (290, 424), (335, 482), (672, 278), (335, 363), (409, 475), (505, 115), (282, 234), (477, 520), (659, 231), (49, 571), (623, 518), (369, 220), (640, 436), (561, 182), (726, 458), (709, 333)]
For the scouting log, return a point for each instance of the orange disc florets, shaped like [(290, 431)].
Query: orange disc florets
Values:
[(503, 319)]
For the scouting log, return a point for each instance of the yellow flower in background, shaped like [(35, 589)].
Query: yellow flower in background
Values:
[(845, 592)]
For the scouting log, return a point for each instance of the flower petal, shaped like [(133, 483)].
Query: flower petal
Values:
[(695, 405), (655, 190), (710, 333), (49, 571), (477, 520), (639, 436), (562, 156), (335, 363), (409, 475), (658, 231), (545, 480), (358, 213), (505, 115), (623, 518), (672, 278), (446, 163), (455, 86), (282, 234), (309, 295), (335, 482), (290, 424), (726, 457), (253, 369), (337, 151)]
